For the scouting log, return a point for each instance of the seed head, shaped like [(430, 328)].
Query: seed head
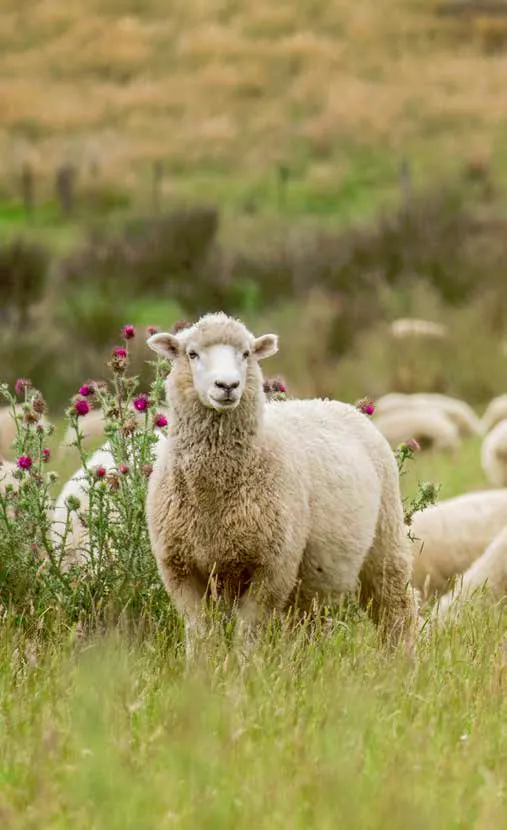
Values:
[(39, 404), (147, 470), (123, 469)]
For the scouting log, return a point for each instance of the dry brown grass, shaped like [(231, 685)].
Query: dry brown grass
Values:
[(231, 87)]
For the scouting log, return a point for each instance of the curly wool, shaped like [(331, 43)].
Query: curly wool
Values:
[(275, 503)]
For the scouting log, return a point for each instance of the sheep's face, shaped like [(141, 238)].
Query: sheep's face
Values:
[(218, 358)]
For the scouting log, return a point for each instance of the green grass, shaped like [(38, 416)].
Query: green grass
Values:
[(321, 728)]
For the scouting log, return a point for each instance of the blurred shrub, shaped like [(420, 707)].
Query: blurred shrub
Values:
[(163, 255), (23, 269)]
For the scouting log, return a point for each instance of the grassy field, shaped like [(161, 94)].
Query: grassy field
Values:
[(320, 729), (223, 93)]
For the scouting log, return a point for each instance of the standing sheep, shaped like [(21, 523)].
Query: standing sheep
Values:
[(494, 455), (453, 534), (274, 503)]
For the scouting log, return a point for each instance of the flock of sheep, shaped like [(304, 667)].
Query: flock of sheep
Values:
[(270, 505)]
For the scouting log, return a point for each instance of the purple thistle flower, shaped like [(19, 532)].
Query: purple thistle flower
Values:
[(85, 390), (142, 403), (160, 420), (119, 351), (123, 469), (413, 445), (81, 407), (366, 406), (100, 472), (24, 462), (152, 330), (128, 331), (46, 454), (20, 386)]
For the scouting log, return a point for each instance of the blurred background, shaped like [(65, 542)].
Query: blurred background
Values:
[(321, 169)]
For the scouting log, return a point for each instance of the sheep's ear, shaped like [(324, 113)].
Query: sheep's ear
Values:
[(265, 346), (167, 345)]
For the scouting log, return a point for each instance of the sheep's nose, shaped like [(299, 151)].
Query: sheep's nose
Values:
[(227, 387)]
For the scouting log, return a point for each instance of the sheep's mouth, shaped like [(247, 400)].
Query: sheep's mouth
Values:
[(224, 404)]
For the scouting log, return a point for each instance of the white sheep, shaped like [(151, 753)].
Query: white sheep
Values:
[(7, 470), (407, 327), (76, 533), (496, 411), (494, 455), (270, 504), (431, 428), (459, 412), (488, 572), (453, 534)]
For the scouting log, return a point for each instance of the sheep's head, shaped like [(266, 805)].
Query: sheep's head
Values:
[(219, 353)]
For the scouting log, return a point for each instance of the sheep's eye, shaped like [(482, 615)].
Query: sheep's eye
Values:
[(246, 355), (192, 355)]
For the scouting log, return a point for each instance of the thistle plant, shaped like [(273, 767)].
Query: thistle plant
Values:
[(427, 491), (112, 570)]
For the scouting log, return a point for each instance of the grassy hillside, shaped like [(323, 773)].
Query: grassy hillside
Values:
[(223, 92)]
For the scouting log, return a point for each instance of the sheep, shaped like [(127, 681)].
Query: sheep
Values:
[(430, 427), (412, 327), (270, 505), (459, 412), (452, 535), (496, 411), (488, 572), (76, 539), (494, 455), (7, 470)]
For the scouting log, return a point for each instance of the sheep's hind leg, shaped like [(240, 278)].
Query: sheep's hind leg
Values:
[(386, 590)]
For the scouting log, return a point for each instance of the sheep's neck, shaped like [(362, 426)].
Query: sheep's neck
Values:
[(211, 446)]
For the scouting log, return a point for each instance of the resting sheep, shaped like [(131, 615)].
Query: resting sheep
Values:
[(496, 411), (270, 505), (413, 327), (488, 572), (494, 455), (430, 427), (452, 535), (460, 413)]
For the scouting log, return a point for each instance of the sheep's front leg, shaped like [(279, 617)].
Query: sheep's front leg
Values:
[(269, 594), (188, 597)]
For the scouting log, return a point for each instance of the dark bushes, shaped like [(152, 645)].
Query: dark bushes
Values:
[(23, 269)]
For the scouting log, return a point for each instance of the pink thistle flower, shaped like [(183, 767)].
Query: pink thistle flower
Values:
[(413, 445), (123, 469), (81, 407), (100, 472), (46, 454), (85, 390), (24, 462), (20, 386), (142, 403), (128, 331), (152, 330), (120, 352), (366, 406), (160, 420)]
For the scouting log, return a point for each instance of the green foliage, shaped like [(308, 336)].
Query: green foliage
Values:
[(23, 268), (114, 571)]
